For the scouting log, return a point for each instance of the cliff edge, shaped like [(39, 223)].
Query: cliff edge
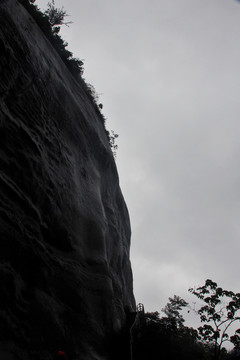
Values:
[(65, 274)]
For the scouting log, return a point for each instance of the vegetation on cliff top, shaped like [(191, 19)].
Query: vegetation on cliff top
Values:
[(50, 22)]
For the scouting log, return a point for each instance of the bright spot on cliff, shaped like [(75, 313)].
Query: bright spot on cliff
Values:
[(168, 72)]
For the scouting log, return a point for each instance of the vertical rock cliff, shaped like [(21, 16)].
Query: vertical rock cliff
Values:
[(65, 274)]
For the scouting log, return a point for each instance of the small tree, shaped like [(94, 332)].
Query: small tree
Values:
[(220, 311), (56, 16), (173, 308)]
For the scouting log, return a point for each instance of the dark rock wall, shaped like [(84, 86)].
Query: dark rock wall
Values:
[(65, 275)]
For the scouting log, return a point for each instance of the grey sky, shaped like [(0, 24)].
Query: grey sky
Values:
[(168, 72)]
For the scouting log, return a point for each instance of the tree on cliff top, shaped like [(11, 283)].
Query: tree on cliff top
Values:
[(56, 16)]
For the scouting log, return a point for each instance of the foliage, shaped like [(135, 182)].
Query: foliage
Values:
[(111, 135), (166, 337), (112, 141), (92, 92), (49, 22), (56, 16), (220, 311), (173, 308)]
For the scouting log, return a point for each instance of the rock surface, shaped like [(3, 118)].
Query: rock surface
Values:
[(65, 274)]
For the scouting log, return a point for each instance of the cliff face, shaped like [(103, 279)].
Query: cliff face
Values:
[(65, 275)]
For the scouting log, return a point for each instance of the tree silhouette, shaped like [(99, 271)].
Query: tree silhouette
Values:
[(167, 337), (56, 16), (173, 308), (220, 311)]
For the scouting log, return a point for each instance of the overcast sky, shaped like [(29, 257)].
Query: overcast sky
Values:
[(169, 77)]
